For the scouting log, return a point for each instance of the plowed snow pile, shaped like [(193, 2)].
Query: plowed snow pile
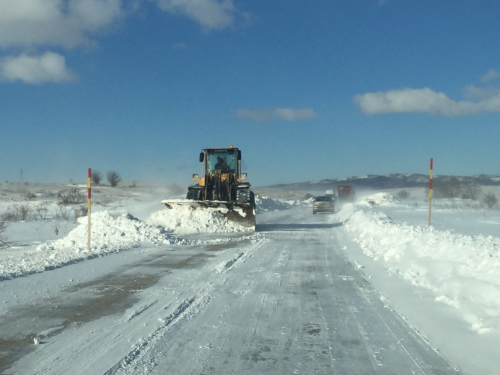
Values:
[(266, 204), (185, 219), (109, 234), (379, 199), (463, 271)]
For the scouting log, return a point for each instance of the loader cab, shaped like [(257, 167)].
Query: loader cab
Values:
[(228, 160), (222, 180)]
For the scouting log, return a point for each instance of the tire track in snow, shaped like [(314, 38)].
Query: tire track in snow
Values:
[(183, 310), (140, 359), (251, 328), (390, 343)]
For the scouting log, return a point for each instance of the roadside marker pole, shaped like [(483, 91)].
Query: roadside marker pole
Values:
[(88, 208), (430, 193)]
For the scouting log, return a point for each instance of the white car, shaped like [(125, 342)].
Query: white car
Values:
[(323, 204)]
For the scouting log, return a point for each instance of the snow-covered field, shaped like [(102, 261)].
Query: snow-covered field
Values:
[(443, 280)]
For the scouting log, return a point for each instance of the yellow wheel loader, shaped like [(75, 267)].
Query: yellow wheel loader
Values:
[(221, 187)]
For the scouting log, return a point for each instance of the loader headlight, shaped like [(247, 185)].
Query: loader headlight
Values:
[(196, 175), (243, 175)]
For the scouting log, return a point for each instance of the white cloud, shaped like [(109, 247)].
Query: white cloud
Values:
[(210, 14), (49, 67), (474, 93), (179, 46), (490, 75), (66, 23), (427, 101), (269, 114), (69, 23), (32, 25)]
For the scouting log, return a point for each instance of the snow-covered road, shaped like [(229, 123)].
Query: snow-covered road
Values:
[(284, 301), (291, 304)]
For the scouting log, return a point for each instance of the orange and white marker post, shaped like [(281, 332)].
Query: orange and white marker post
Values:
[(88, 207), (430, 193)]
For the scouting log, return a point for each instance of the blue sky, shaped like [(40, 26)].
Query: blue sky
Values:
[(307, 90)]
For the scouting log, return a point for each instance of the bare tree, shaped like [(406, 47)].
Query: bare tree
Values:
[(113, 178), (455, 188), (471, 189), (96, 177), (41, 209), (490, 200), (64, 213), (23, 211), (80, 211), (403, 194), (70, 197), (3, 240)]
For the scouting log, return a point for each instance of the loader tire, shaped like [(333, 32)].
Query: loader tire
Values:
[(194, 194), (245, 196)]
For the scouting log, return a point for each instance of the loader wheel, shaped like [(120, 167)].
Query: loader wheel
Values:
[(217, 189), (194, 194), (245, 196)]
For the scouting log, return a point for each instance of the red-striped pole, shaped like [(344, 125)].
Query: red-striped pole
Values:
[(88, 206), (430, 192)]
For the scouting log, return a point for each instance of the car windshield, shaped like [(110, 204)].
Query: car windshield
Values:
[(223, 159), (323, 199)]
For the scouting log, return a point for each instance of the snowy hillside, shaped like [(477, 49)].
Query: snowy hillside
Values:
[(383, 182)]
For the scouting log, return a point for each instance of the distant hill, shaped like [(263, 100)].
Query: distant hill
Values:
[(391, 181)]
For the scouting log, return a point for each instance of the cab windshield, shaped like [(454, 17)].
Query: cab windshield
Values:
[(323, 199), (223, 160)]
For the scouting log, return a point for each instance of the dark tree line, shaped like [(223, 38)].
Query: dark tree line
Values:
[(465, 188)]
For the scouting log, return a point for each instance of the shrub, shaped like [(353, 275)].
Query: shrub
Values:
[(70, 197), (113, 178), (80, 211), (22, 211), (454, 187), (29, 196), (41, 210), (3, 240), (9, 215), (490, 200), (64, 213), (96, 177), (402, 194)]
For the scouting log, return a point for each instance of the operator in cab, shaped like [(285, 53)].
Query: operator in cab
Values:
[(221, 165)]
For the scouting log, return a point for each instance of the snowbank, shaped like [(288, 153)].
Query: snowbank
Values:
[(379, 199), (266, 204), (109, 234), (462, 271)]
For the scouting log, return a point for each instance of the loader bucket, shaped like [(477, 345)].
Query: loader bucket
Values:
[(241, 213)]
